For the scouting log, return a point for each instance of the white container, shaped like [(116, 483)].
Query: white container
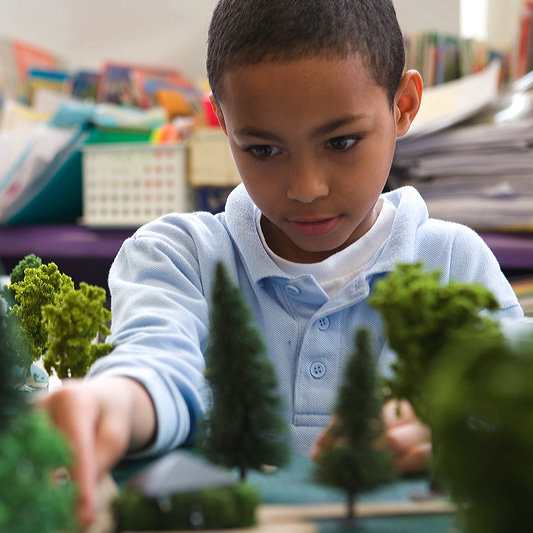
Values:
[(129, 184)]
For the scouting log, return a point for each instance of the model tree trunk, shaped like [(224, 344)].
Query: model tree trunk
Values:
[(245, 427)]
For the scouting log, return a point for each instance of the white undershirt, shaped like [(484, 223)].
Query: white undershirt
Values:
[(336, 271)]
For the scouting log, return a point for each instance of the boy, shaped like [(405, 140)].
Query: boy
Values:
[(312, 96)]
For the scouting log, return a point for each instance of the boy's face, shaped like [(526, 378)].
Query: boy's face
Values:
[(313, 140)]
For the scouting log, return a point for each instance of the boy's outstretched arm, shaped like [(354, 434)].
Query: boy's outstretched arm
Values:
[(103, 418), (405, 436)]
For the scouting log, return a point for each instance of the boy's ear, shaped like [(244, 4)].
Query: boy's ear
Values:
[(407, 101), (218, 113)]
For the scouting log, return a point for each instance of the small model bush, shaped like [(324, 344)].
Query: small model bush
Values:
[(220, 508)]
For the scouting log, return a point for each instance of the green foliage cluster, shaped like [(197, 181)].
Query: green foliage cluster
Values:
[(472, 386), (39, 287), (355, 465), (481, 395), (56, 320), (12, 401), (220, 508), (17, 274), (421, 316), (30, 452), (72, 325), (31, 499), (245, 427)]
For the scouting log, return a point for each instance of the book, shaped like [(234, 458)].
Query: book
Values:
[(126, 84), (17, 58)]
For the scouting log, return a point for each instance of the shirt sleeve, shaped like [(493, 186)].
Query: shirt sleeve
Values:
[(159, 330)]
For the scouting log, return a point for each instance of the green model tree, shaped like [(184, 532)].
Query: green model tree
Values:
[(73, 324), (421, 315), (480, 393), (245, 427), (16, 275), (56, 320), (11, 400), (39, 287), (354, 464), (32, 496)]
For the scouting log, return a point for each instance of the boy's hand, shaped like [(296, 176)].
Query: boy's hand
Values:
[(103, 418), (405, 436)]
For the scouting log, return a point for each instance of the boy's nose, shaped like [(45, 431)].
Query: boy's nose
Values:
[(306, 184)]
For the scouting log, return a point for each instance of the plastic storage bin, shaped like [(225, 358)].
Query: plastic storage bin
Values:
[(129, 184)]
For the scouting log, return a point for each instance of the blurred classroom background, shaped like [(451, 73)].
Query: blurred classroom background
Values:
[(105, 125)]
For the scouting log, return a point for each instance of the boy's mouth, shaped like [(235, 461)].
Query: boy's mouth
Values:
[(315, 228)]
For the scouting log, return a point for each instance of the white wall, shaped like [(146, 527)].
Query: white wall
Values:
[(86, 32), (173, 32), (437, 15)]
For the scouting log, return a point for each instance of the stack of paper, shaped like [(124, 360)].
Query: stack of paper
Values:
[(478, 172)]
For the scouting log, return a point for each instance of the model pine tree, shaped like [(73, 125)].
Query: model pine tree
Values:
[(245, 427), (421, 315), (354, 464)]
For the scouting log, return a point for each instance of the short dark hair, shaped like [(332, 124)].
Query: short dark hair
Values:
[(244, 32)]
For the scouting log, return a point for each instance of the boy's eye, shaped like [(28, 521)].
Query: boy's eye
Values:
[(343, 143), (262, 151)]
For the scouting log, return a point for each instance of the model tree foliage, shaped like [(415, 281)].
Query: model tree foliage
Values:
[(17, 274), (39, 287), (421, 315), (32, 498), (481, 396), (56, 320), (354, 464), (72, 325), (245, 427), (12, 347)]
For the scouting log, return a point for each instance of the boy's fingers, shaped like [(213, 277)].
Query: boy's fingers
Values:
[(85, 474), (410, 444), (407, 436), (76, 420), (418, 459), (111, 442), (325, 439), (398, 412)]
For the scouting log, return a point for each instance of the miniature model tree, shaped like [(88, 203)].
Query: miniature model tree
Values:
[(354, 464), (16, 275), (421, 315), (31, 496), (245, 427), (481, 396), (72, 325), (11, 400), (39, 287), (59, 322)]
